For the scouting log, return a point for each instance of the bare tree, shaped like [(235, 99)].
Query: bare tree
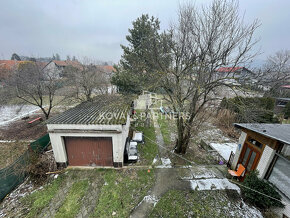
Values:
[(35, 87), (187, 57), (87, 80), (276, 71)]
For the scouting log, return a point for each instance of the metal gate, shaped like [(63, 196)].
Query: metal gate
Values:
[(89, 151), (280, 175)]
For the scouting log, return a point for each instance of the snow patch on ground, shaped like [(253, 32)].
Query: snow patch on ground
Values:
[(224, 149), (213, 184), (213, 134), (154, 160), (203, 175), (10, 113), (151, 199), (166, 163)]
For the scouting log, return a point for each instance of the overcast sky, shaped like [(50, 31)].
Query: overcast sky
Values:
[(96, 28)]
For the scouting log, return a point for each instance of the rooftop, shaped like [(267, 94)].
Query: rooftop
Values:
[(283, 99), (280, 132), (228, 69), (104, 109)]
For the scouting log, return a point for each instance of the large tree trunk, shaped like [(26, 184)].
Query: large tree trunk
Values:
[(183, 132)]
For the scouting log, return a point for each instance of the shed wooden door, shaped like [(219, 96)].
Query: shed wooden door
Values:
[(249, 157), (89, 151)]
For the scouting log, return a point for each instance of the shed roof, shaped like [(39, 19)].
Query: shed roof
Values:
[(280, 132), (283, 99), (104, 109)]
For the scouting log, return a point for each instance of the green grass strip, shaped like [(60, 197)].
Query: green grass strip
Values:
[(38, 200), (164, 128), (72, 203), (122, 191), (149, 150)]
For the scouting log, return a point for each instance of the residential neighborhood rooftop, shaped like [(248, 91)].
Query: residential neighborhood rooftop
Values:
[(280, 132), (228, 69), (104, 109)]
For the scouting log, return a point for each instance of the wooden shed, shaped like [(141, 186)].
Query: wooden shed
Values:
[(266, 148)]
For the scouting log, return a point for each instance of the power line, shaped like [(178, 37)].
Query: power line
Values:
[(153, 141)]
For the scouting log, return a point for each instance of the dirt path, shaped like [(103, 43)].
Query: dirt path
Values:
[(166, 178)]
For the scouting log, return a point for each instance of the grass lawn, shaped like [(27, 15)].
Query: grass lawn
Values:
[(167, 126), (117, 190), (217, 203), (123, 191), (149, 149), (72, 203), (40, 199)]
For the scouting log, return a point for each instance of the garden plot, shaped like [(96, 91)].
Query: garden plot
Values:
[(10, 113)]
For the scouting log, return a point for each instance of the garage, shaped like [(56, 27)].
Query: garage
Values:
[(89, 151), (92, 134)]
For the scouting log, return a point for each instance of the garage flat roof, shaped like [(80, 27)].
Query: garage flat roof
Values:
[(104, 109), (280, 132)]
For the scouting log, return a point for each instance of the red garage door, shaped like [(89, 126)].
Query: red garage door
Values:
[(89, 151)]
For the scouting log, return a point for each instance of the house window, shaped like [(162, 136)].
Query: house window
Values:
[(255, 142)]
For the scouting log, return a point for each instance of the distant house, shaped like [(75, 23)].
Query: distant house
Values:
[(281, 104), (92, 133), (55, 68), (266, 148), (8, 66), (109, 71), (234, 74)]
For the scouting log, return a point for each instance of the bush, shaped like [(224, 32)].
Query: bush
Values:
[(287, 111), (224, 120), (253, 182), (256, 109)]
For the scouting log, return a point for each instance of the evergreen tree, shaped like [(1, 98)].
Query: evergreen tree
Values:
[(57, 57), (134, 72), (287, 111), (15, 57)]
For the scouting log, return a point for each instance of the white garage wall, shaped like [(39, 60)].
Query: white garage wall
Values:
[(119, 134)]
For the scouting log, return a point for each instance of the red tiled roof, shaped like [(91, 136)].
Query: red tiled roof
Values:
[(107, 68), (9, 64), (228, 69), (286, 86)]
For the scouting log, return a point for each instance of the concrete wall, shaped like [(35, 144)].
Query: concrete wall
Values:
[(265, 161), (118, 133), (239, 149)]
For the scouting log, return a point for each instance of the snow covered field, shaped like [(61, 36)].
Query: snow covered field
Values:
[(224, 149), (9, 113)]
